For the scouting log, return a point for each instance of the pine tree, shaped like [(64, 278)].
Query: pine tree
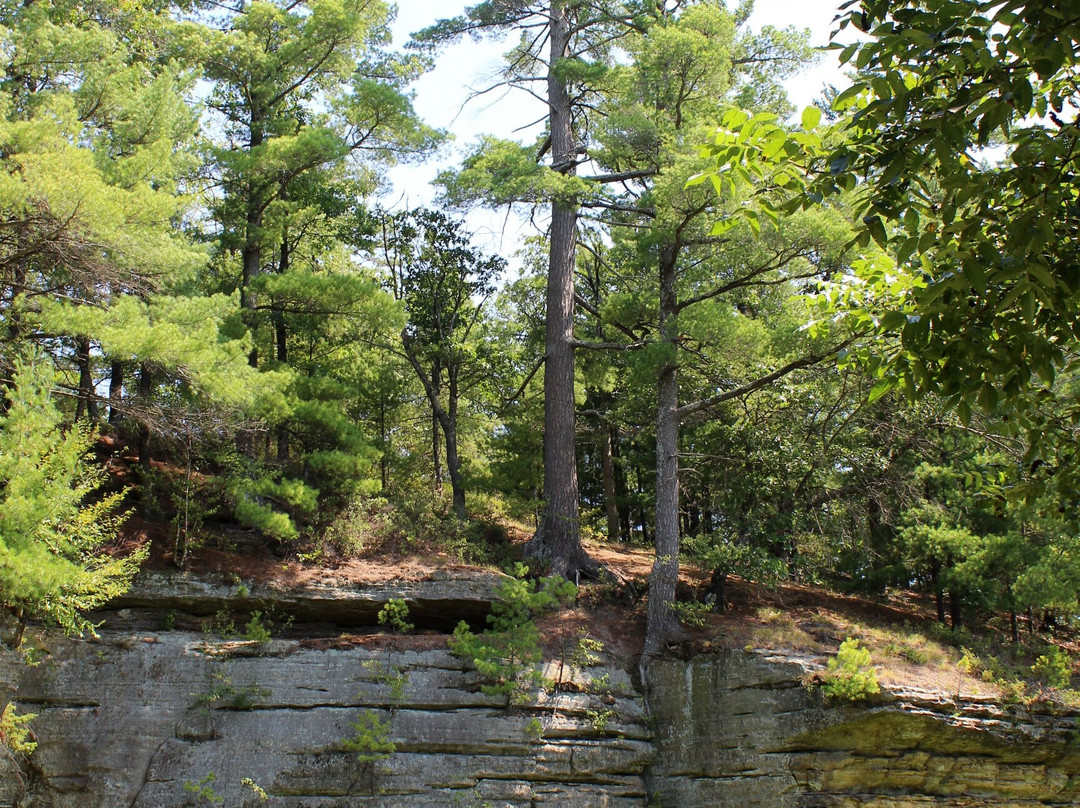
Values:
[(666, 97), (298, 89), (564, 47), (54, 519), (94, 130)]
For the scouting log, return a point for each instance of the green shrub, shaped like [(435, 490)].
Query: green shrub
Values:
[(396, 615), (850, 675), (255, 630), (355, 527), (221, 624), (372, 739), (534, 730), (506, 654), (1013, 691), (691, 613), (1055, 667), (15, 733), (203, 792)]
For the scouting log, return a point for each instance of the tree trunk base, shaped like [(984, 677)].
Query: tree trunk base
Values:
[(658, 639), (572, 564)]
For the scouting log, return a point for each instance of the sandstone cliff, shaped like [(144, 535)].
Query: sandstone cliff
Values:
[(141, 718)]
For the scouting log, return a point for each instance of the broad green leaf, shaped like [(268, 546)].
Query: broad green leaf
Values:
[(723, 226), (881, 388)]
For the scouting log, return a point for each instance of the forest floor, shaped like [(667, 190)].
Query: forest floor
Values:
[(909, 647)]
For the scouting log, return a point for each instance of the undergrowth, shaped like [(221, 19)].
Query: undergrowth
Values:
[(850, 676), (506, 654), (960, 660), (413, 523)]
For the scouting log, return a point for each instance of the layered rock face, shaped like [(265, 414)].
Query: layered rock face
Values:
[(141, 720), (159, 719), (740, 729), (154, 719)]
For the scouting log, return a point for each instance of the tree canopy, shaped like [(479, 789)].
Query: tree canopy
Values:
[(836, 346), (958, 142)]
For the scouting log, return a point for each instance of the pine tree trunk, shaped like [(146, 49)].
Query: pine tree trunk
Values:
[(557, 542), (622, 490), (251, 252), (251, 256), (146, 387), (643, 516), (607, 464), (661, 626), (281, 343), (718, 590), (939, 591), (384, 441), (14, 325), (116, 392), (87, 404)]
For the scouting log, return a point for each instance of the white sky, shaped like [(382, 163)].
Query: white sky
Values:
[(441, 99)]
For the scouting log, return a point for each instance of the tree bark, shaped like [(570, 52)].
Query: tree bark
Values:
[(453, 458), (14, 327), (661, 627), (955, 610), (447, 419), (643, 516), (116, 392), (557, 542), (622, 490), (251, 256), (251, 252), (146, 387), (87, 404), (384, 457), (939, 591), (281, 343), (607, 465), (436, 459), (718, 590)]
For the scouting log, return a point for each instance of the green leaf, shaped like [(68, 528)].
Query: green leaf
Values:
[(877, 229), (811, 117), (907, 249), (892, 320), (723, 226), (754, 222), (880, 389), (963, 412), (846, 98), (1022, 95)]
